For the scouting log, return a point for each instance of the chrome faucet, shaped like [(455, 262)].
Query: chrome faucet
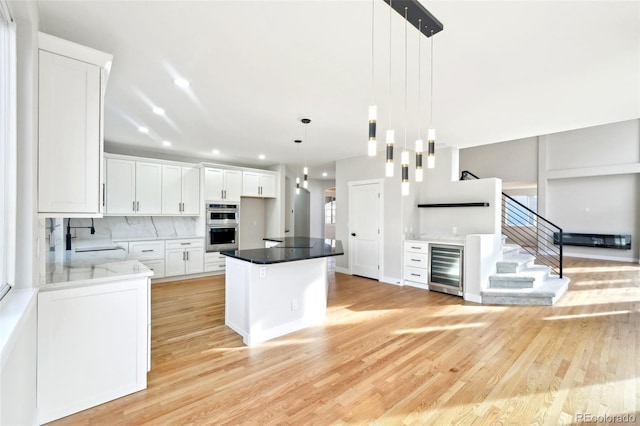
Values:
[(68, 236)]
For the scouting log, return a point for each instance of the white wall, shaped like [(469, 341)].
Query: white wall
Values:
[(364, 168), (514, 162), (589, 181), (317, 188)]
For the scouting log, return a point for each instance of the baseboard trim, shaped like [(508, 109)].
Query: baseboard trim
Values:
[(342, 270), (391, 280), (185, 277), (599, 257)]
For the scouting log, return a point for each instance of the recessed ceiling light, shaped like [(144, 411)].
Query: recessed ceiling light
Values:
[(216, 151), (158, 110), (324, 174), (262, 156), (166, 143), (181, 82), (143, 129)]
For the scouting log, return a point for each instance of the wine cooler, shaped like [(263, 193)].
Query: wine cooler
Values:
[(446, 268)]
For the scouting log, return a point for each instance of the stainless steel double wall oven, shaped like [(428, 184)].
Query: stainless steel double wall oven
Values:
[(223, 221)]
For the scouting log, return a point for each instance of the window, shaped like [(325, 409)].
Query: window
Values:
[(329, 210), (7, 149), (516, 215)]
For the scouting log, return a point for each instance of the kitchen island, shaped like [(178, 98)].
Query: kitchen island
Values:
[(93, 330), (274, 291)]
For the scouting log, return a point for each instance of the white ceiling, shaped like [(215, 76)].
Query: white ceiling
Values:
[(504, 70)]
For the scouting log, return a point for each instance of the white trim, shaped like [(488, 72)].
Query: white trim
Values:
[(380, 183), (391, 280), (342, 270), (600, 257), (74, 50), (470, 297)]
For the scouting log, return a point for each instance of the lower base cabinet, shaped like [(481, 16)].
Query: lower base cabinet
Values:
[(184, 257), (93, 345), (214, 262)]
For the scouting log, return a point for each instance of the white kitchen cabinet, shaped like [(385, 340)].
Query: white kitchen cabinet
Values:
[(214, 261), (133, 187), (258, 184), (71, 83), (416, 264), (93, 345), (151, 254), (184, 256), (222, 184), (180, 190)]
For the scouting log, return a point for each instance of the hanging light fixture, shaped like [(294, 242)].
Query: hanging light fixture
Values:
[(298, 142), (305, 171), (390, 132), (431, 155), (404, 157), (419, 142), (373, 110)]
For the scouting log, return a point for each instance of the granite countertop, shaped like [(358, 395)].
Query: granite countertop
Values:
[(290, 249), (70, 268)]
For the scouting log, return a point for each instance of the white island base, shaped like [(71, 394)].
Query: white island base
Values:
[(264, 301)]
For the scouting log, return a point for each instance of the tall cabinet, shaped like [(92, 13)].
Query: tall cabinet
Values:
[(72, 80)]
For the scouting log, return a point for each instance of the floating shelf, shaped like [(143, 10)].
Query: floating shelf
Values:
[(455, 205)]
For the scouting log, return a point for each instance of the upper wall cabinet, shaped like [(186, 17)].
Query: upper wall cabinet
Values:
[(222, 184), (259, 184), (72, 79), (180, 190), (133, 187)]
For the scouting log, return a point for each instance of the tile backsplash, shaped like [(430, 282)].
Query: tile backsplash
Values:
[(123, 227)]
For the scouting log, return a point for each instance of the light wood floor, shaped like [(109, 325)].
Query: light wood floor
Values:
[(390, 355)]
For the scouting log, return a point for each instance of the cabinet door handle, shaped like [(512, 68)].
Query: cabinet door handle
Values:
[(415, 260), (147, 251), (222, 194), (185, 244), (183, 258), (415, 275), (104, 194), (187, 255), (416, 248), (138, 206)]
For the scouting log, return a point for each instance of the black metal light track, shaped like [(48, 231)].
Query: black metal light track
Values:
[(415, 12)]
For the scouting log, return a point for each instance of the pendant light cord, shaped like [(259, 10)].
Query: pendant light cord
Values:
[(405, 78), (373, 62), (431, 90), (419, 75), (305, 151), (390, 61)]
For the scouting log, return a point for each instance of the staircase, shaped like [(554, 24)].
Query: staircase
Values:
[(518, 281)]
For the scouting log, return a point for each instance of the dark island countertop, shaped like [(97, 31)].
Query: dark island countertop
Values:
[(290, 249)]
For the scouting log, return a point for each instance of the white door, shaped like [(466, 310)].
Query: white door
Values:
[(69, 135), (364, 229), (121, 186), (233, 185), (174, 262), (213, 184), (268, 186), (148, 188), (194, 261), (250, 184), (191, 190), (171, 189)]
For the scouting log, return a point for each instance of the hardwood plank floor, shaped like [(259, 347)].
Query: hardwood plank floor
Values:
[(390, 355)]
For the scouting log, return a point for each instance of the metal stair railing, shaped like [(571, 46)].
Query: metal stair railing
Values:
[(532, 232)]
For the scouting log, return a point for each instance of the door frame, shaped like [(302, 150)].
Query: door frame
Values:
[(380, 183)]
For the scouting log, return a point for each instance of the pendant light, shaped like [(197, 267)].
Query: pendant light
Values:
[(298, 142), (373, 110), (419, 142), (404, 157), (390, 132), (431, 156), (305, 171)]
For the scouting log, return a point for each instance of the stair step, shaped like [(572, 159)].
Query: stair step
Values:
[(547, 293), (529, 277), (510, 248), (514, 262)]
